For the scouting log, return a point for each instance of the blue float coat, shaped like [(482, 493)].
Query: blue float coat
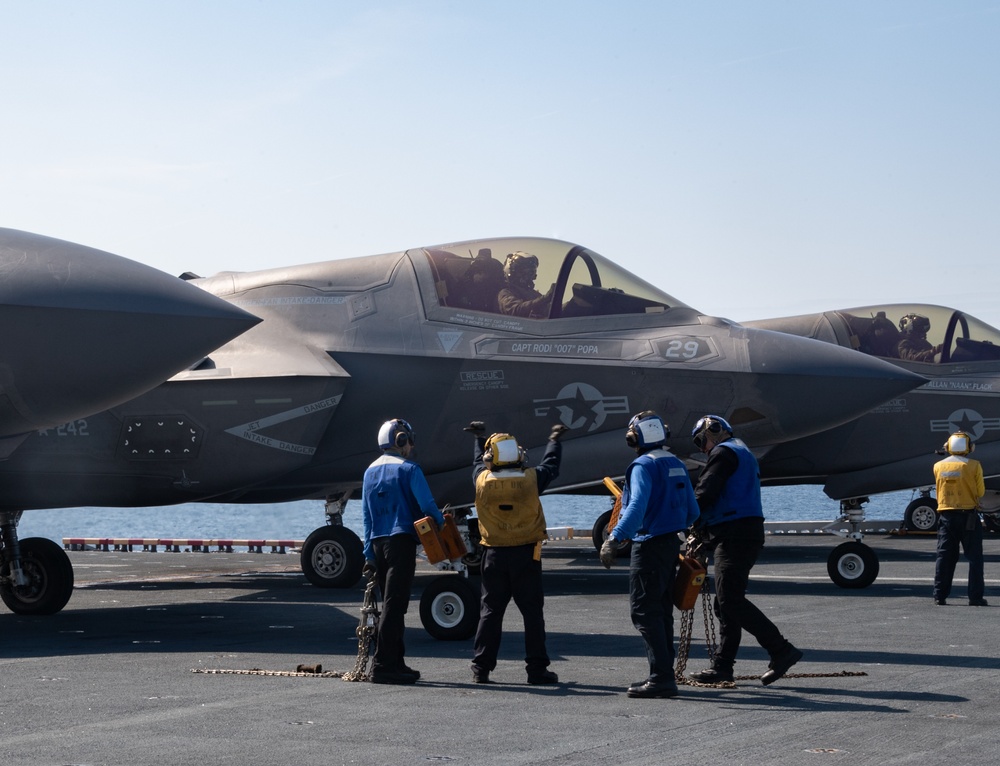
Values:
[(394, 495), (657, 498)]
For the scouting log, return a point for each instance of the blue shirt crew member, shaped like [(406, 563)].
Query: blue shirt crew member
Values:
[(657, 503), (512, 528), (959, 483), (732, 527), (394, 494)]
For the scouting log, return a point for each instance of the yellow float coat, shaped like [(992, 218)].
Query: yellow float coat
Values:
[(959, 483), (510, 512)]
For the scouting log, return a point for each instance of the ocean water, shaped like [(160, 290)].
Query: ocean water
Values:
[(296, 520)]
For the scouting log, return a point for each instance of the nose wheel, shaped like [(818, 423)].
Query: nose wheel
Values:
[(852, 565), (449, 608)]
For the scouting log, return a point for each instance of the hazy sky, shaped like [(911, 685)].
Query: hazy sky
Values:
[(753, 159)]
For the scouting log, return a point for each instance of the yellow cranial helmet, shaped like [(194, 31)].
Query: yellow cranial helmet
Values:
[(503, 451), (959, 443)]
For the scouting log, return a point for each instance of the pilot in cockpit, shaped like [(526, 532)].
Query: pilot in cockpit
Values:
[(913, 345), (519, 297)]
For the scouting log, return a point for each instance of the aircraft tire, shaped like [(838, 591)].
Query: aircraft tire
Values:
[(921, 515), (449, 608), (852, 565), (50, 576), (332, 557), (600, 533)]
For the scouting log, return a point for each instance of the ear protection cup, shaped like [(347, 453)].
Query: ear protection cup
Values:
[(395, 433), (632, 438), (710, 424)]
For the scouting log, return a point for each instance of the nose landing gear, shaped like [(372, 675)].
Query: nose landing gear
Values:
[(852, 564)]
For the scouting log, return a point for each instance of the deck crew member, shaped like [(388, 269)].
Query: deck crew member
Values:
[(959, 482), (394, 495), (657, 502), (732, 526), (512, 526)]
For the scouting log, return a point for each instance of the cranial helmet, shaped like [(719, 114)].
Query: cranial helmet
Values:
[(646, 430), (395, 433), (959, 443), (503, 451), (521, 266), (915, 324), (710, 424)]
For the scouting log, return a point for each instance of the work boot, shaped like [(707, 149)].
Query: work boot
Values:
[(540, 677), (940, 602), (650, 690), (392, 677), (481, 676), (978, 602), (780, 664), (714, 675)]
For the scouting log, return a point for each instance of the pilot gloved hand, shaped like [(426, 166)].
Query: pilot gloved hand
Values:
[(609, 552), (557, 431), (476, 428), (368, 570)]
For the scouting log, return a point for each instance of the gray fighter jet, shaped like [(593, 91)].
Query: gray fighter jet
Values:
[(440, 336), (84, 330), (893, 446)]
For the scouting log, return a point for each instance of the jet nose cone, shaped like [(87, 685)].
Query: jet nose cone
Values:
[(814, 386), (86, 330)]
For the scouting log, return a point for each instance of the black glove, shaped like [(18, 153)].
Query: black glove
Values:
[(476, 428), (557, 431), (368, 570)]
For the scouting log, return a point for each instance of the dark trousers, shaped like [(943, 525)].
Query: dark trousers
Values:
[(395, 562), (511, 573), (959, 528), (737, 545), (652, 572)]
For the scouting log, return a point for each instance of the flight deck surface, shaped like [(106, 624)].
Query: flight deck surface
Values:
[(109, 680)]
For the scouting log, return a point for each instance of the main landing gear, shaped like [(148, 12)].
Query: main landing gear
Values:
[(333, 556), (921, 514), (852, 564), (36, 576)]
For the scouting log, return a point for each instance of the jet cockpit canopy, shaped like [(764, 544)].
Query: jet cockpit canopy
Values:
[(572, 280)]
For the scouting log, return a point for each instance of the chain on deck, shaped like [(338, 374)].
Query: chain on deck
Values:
[(368, 628)]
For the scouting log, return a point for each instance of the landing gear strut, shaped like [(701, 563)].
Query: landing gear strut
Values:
[(852, 564), (36, 576)]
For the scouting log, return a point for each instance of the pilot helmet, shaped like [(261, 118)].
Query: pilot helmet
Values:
[(646, 431), (915, 324), (959, 443), (521, 266), (503, 451), (710, 424), (395, 434)]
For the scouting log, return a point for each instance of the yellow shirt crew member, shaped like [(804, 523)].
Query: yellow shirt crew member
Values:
[(959, 482)]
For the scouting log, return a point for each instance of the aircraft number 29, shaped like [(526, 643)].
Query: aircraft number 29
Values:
[(682, 349)]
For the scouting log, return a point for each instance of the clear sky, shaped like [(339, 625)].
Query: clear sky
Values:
[(753, 159)]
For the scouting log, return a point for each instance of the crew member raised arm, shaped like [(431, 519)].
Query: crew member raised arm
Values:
[(512, 526)]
